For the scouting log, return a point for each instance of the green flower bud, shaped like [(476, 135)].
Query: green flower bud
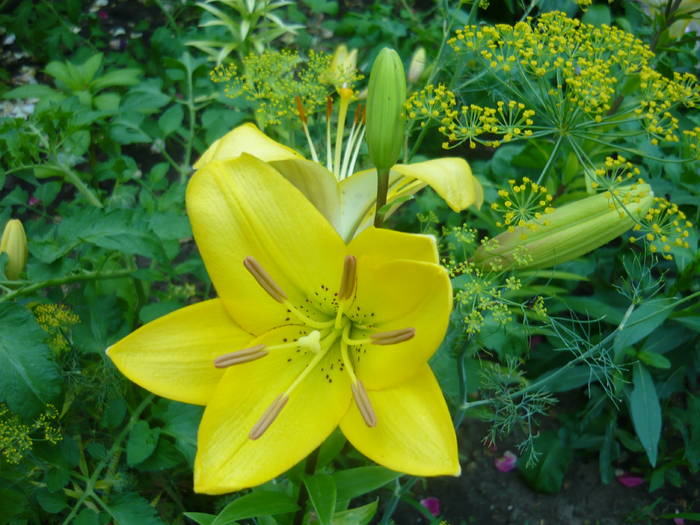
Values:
[(568, 232), (14, 244), (417, 65), (385, 101)]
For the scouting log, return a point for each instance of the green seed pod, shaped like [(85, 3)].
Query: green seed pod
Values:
[(385, 109), (14, 244), (568, 232)]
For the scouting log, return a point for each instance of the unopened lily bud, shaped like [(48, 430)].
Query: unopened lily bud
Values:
[(417, 65), (385, 101), (568, 232), (14, 244)]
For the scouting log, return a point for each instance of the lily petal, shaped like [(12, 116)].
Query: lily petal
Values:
[(246, 138), (392, 244), (317, 183), (227, 459), (414, 433), (243, 207), (402, 294), (450, 177), (173, 356)]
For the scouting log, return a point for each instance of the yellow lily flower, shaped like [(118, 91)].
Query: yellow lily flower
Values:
[(308, 333), (348, 202)]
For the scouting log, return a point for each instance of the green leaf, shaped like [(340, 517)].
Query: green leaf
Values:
[(87, 517), (357, 516), (355, 482), (695, 516), (181, 423), (129, 509), (645, 411), (653, 359), (29, 377), (120, 77), (322, 493), (88, 69), (200, 517), (141, 443), (52, 502), (547, 474), (39, 91), (12, 503), (644, 320), (171, 120), (258, 503)]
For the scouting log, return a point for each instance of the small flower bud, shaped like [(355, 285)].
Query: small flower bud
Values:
[(417, 65), (385, 100), (341, 71), (568, 232), (14, 244)]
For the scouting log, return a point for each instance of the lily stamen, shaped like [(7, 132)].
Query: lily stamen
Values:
[(304, 124), (264, 279), (364, 404), (268, 417), (240, 356), (358, 390), (393, 336), (349, 279)]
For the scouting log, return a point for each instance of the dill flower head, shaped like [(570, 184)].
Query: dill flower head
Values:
[(663, 227), (612, 174), (55, 320), (468, 125), (431, 103), (523, 204)]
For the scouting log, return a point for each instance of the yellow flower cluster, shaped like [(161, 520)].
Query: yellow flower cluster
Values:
[(16, 437), (55, 319), (513, 120), (663, 227), (523, 204), (615, 172), (432, 103), (275, 80), (569, 70), (692, 141)]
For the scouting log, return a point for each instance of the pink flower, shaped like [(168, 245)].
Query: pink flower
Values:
[(33, 201), (627, 479), (678, 521), (506, 462), (432, 504), (102, 14)]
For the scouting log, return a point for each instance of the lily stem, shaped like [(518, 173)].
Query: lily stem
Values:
[(382, 190), (303, 498)]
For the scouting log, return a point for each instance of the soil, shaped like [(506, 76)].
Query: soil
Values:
[(483, 495)]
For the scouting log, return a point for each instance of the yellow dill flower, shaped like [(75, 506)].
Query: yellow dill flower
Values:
[(663, 228), (16, 437), (430, 103), (612, 174), (523, 204), (468, 125), (56, 320)]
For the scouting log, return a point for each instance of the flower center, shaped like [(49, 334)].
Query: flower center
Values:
[(327, 339)]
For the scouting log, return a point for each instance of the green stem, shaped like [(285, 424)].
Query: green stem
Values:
[(550, 160), (90, 485), (75, 180), (395, 498), (382, 190), (89, 276)]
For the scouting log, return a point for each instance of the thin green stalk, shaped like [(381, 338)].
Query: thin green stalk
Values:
[(303, 497), (89, 276), (74, 179), (629, 150), (550, 160), (90, 486), (382, 190), (395, 498)]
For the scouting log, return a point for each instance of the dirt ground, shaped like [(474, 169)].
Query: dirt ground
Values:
[(485, 496)]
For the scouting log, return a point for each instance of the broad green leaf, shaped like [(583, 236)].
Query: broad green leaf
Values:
[(88, 69), (29, 377), (258, 503), (87, 517), (141, 443), (322, 493), (171, 120), (200, 517), (357, 516), (120, 77), (330, 448), (355, 482), (654, 360), (694, 516), (128, 509), (181, 422), (12, 503), (645, 411), (39, 91), (107, 102), (547, 474), (644, 320)]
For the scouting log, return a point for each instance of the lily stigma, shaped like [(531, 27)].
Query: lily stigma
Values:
[(308, 333)]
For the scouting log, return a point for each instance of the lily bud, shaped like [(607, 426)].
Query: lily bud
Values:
[(417, 65), (569, 232), (385, 101), (14, 244)]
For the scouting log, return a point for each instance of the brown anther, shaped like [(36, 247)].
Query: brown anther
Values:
[(264, 279), (363, 403), (240, 356), (300, 110), (364, 113), (393, 336), (358, 114), (329, 107), (268, 417), (349, 278)]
